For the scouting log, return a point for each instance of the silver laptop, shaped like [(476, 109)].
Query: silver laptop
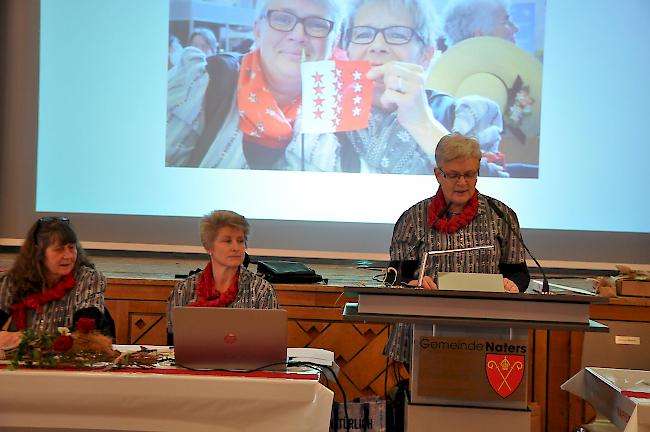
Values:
[(625, 346), (230, 339)]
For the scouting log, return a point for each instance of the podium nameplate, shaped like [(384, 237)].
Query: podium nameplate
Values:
[(471, 371)]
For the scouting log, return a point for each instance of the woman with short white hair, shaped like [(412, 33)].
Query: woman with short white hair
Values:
[(398, 38), (231, 112), (457, 216), (466, 19)]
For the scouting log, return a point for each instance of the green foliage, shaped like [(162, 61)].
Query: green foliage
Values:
[(36, 351)]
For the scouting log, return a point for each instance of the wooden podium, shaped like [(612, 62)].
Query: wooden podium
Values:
[(470, 353)]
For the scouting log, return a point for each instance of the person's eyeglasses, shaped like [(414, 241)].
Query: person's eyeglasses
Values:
[(46, 220), (454, 176), (395, 35), (286, 21)]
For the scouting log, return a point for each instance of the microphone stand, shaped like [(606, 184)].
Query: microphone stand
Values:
[(501, 214)]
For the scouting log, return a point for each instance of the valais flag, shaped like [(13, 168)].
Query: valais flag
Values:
[(336, 96)]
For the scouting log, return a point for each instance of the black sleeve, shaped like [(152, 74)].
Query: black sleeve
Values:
[(406, 270), (4, 316), (170, 339), (260, 157), (103, 321), (350, 161), (518, 273), (223, 71)]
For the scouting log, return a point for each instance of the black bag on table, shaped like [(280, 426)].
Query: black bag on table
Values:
[(287, 272)]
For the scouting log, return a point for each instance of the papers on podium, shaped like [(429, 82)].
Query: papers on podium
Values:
[(470, 282), (445, 252)]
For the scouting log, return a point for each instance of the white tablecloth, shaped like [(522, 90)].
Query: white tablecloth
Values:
[(51, 399)]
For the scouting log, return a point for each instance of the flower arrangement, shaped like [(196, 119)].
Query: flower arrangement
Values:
[(522, 105), (83, 348), (519, 105)]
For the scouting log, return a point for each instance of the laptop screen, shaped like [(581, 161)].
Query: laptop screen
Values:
[(230, 339)]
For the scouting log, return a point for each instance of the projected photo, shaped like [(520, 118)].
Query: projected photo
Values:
[(370, 87)]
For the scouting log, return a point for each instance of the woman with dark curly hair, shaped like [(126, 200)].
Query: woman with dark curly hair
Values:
[(52, 283)]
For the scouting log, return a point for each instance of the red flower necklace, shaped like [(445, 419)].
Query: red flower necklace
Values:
[(457, 221), (208, 296), (37, 300)]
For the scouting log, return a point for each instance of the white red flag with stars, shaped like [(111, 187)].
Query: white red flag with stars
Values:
[(336, 96)]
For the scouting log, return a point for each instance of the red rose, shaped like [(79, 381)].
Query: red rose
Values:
[(62, 343), (85, 325)]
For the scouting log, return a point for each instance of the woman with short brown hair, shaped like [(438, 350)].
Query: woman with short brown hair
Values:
[(224, 282)]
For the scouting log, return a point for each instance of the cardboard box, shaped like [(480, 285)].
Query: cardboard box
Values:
[(425, 418), (633, 287), (622, 395)]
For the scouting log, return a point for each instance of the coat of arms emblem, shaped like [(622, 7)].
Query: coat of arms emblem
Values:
[(504, 372)]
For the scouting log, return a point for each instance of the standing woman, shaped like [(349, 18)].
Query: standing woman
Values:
[(457, 216), (224, 282), (52, 283)]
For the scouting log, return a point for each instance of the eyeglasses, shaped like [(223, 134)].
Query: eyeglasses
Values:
[(395, 35), (455, 177), (286, 21), (46, 220)]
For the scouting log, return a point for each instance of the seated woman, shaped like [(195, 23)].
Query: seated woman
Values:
[(457, 216), (52, 283), (398, 38), (232, 112), (224, 282)]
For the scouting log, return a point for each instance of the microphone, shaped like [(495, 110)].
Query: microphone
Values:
[(502, 215), (398, 265)]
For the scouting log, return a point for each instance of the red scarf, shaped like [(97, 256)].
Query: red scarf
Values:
[(261, 120), (456, 222), (37, 300), (208, 296)]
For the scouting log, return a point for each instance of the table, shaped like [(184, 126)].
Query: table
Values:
[(131, 400)]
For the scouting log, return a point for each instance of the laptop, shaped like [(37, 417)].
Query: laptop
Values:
[(230, 339)]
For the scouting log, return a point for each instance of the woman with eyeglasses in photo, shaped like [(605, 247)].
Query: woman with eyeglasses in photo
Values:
[(398, 38), (52, 283), (457, 216), (232, 112)]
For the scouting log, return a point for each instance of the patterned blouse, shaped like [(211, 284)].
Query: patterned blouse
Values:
[(87, 293), (412, 237), (254, 293)]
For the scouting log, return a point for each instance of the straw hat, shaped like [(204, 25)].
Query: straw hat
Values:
[(489, 67)]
